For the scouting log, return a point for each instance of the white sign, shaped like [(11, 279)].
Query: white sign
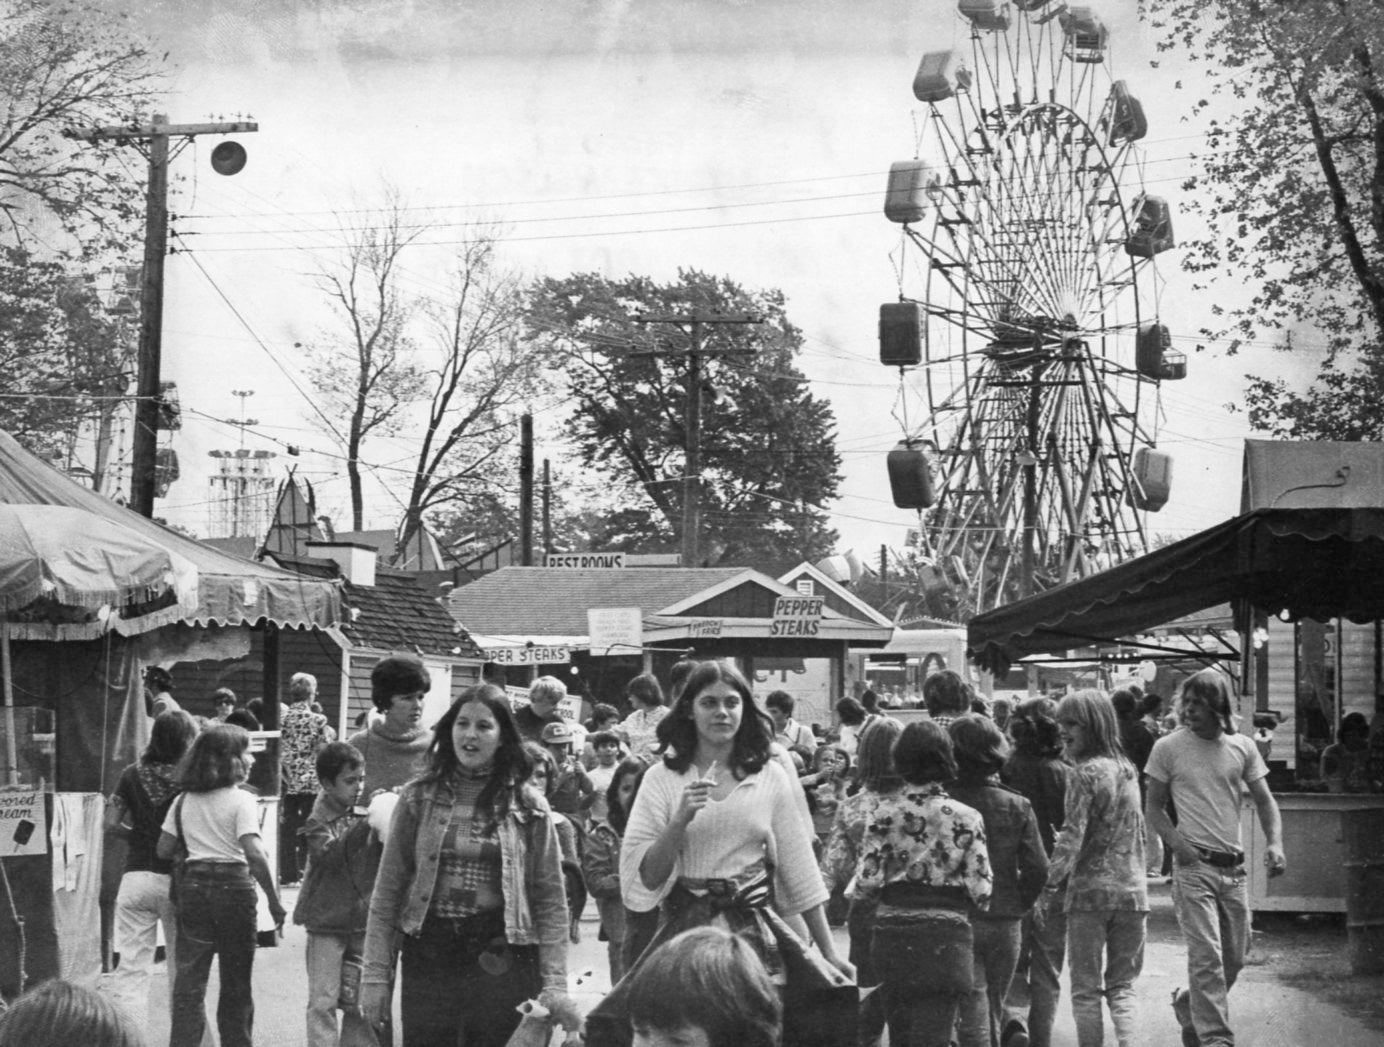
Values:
[(797, 616), (584, 560), (528, 655), (22, 824), (615, 630), (704, 628)]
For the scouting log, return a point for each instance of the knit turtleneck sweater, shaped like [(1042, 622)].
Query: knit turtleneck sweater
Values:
[(391, 759)]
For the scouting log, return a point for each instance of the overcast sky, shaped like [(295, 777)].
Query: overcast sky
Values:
[(746, 138)]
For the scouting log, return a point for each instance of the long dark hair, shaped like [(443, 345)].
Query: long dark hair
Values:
[(616, 814), (677, 732), (512, 764)]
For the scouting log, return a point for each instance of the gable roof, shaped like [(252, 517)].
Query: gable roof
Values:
[(398, 613), (839, 598), (423, 553), (544, 601), (541, 604)]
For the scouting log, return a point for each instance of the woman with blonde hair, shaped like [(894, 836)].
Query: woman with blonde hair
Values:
[(1099, 857)]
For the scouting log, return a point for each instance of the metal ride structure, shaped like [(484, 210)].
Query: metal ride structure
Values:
[(1027, 306)]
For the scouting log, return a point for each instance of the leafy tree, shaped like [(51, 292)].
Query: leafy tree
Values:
[(67, 64), (61, 354), (443, 369), (768, 445), (1292, 191)]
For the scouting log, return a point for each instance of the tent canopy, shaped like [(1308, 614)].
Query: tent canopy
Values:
[(1316, 563), (230, 590)]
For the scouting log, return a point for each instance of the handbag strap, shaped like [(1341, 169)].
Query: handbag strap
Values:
[(178, 820)]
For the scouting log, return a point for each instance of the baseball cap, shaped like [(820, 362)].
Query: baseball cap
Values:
[(557, 734)]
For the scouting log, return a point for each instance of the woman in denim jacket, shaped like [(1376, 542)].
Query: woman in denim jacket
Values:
[(470, 889)]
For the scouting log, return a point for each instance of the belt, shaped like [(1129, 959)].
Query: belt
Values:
[(1222, 859)]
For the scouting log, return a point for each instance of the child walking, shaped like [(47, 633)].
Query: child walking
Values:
[(334, 903)]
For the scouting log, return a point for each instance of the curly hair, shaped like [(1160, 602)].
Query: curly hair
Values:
[(1034, 728), (677, 732)]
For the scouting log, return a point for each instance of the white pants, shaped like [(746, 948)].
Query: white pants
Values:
[(140, 906)]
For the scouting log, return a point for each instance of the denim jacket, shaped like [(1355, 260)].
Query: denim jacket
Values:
[(530, 879)]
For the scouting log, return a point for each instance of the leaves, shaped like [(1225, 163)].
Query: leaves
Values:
[(1293, 190), (65, 65), (768, 455)]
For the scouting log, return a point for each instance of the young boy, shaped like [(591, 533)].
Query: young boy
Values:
[(343, 858), (573, 792), (607, 748)]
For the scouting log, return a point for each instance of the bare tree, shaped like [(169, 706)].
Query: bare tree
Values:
[(365, 370), (442, 370), (479, 373)]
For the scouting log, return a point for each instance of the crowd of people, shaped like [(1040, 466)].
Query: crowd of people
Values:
[(970, 855)]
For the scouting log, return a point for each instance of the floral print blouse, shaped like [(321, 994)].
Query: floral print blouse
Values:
[(921, 835), (841, 856), (1100, 850)]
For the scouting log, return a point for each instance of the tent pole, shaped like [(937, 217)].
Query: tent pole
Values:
[(11, 755)]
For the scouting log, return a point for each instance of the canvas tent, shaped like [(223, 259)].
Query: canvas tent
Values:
[(1309, 543)]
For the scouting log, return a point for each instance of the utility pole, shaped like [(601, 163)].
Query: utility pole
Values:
[(526, 490), (694, 324), (153, 139)]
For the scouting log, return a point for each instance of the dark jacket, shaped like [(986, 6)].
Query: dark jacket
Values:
[(1043, 782), (343, 857), (1017, 858)]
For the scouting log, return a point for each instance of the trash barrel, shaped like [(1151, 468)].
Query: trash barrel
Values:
[(1363, 834)]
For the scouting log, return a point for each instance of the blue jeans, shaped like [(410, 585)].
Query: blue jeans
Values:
[(1213, 912), (461, 983), (1036, 988), (216, 917), (326, 954), (1105, 949), (996, 946)]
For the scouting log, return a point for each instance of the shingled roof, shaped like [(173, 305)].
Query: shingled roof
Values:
[(397, 613), (541, 601)]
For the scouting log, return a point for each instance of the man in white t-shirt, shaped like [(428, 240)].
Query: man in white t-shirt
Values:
[(1204, 767)]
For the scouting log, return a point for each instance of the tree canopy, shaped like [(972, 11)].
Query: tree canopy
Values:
[(768, 454), (1291, 188), (64, 65)]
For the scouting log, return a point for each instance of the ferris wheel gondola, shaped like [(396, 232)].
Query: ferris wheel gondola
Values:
[(1026, 311)]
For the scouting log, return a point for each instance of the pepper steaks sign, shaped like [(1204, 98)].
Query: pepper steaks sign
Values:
[(797, 616), (528, 655)]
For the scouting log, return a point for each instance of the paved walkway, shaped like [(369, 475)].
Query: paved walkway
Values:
[(1266, 1012)]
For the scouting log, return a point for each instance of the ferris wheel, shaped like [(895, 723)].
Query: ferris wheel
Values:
[(1027, 317)]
